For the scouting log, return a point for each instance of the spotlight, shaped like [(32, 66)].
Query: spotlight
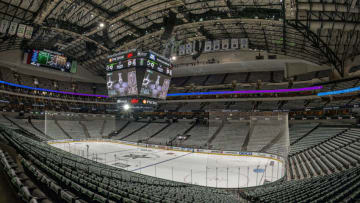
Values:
[(126, 107), (173, 58), (102, 25)]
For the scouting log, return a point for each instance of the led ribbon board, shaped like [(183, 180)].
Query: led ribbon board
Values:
[(247, 91), (197, 93), (339, 91), (54, 91)]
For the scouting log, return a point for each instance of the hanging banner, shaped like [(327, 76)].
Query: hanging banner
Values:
[(21, 30), (216, 45), (225, 44), (13, 27), (4, 26), (182, 50), (244, 43), (188, 48), (28, 32), (234, 43), (208, 46)]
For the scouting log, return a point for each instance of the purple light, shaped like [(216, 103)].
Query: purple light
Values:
[(55, 91), (247, 91)]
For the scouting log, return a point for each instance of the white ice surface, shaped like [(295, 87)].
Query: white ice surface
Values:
[(223, 171)]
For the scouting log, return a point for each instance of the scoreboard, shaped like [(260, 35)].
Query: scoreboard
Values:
[(135, 75), (133, 58)]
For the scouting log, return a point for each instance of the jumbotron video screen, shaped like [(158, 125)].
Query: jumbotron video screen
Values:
[(135, 74), (155, 85), (122, 83), (50, 59)]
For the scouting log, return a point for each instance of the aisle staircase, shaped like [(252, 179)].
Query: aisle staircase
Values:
[(306, 134), (209, 141), (117, 132), (40, 131), (185, 132), (274, 141), (133, 132), (103, 128), (62, 129), (247, 139), (86, 131), (159, 131)]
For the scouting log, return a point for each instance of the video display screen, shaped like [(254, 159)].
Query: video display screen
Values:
[(155, 85), (122, 83), (50, 59), (118, 65)]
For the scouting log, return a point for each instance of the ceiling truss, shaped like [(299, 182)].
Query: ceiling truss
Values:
[(325, 32)]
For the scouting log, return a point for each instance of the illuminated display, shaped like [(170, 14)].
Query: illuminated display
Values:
[(50, 59), (122, 83), (155, 85), (339, 91), (118, 65), (132, 58), (136, 73), (247, 91)]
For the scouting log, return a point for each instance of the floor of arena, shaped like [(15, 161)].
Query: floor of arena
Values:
[(223, 171)]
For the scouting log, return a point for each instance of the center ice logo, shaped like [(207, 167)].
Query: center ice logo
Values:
[(137, 156)]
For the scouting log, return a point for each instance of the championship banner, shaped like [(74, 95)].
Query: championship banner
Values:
[(13, 27), (244, 43), (21, 30), (4, 25), (216, 45), (189, 48), (234, 43), (225, 44), (208, 46), (181, 50)]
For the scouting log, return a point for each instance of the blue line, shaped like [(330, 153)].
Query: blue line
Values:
[(161, 162)]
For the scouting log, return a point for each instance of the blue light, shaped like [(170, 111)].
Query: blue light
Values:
[(246, 91), (339, 91)]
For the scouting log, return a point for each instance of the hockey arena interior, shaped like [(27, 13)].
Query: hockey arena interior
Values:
[(213, 101)]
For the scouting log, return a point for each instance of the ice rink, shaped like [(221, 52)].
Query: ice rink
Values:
[(223, 171)]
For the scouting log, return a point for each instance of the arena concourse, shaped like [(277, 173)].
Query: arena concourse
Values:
[(217, 101)]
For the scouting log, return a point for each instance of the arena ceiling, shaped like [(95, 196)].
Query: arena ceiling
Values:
[(319, 31)]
